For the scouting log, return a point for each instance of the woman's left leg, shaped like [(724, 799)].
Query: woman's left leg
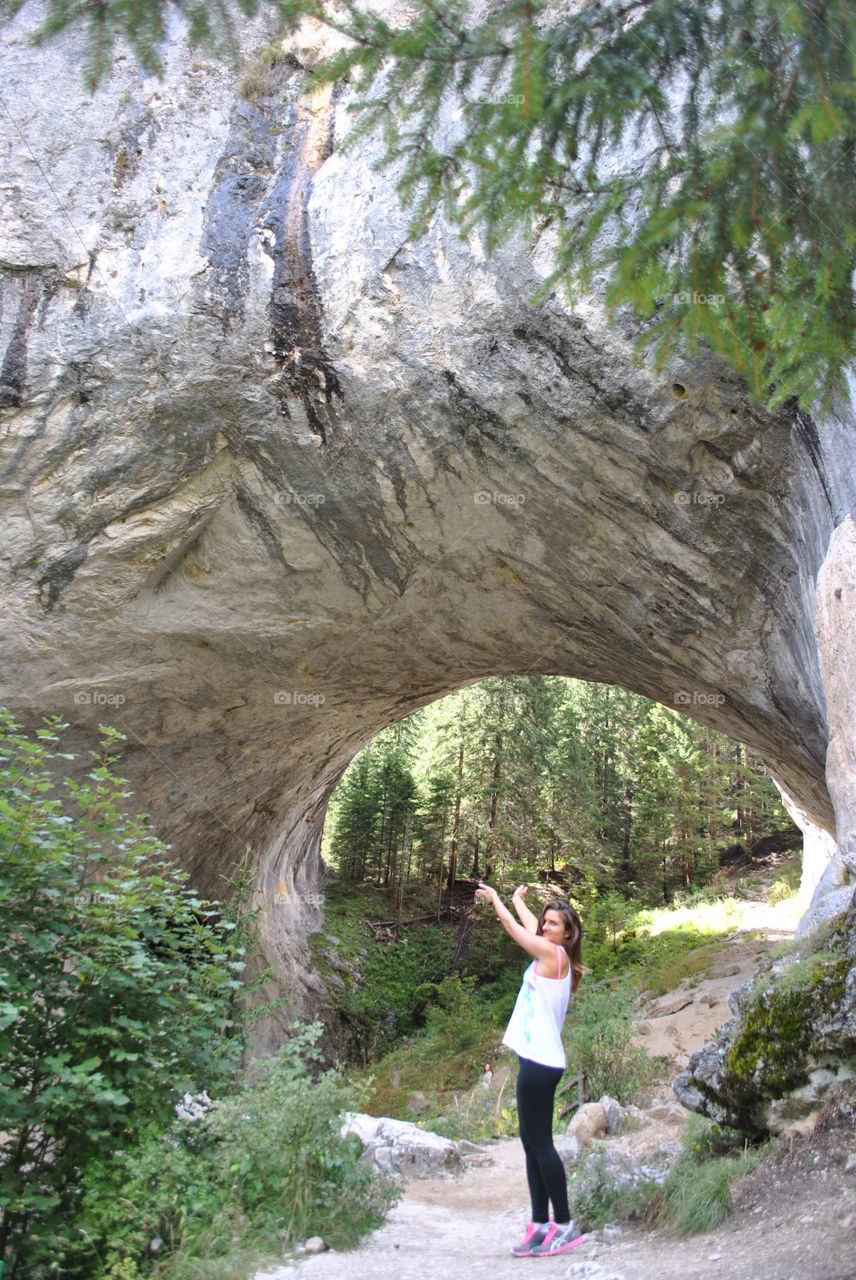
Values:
[(536, 1090)]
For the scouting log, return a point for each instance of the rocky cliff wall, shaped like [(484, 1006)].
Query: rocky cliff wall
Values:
[(272, 475)]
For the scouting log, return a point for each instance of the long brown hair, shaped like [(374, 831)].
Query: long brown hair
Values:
[(573, 944)]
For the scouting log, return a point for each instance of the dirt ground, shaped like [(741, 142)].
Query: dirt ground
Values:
[(794, 1218)]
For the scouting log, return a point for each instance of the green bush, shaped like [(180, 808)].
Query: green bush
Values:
[(597, 1036), (697, 1195), (380, 1005), (118, 988), (262, 1169)]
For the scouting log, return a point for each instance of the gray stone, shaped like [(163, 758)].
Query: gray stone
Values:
[(668, 1113), (836, 644), (315, 1244), (588, 1123), (401, 1148), (613, 1113), (568, 1147)]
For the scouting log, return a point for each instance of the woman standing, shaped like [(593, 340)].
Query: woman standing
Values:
[(554, 939)]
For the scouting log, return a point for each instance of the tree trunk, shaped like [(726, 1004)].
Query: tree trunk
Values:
[(494, 795), (456, 821)]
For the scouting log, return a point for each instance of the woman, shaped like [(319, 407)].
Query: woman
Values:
[(534, 1032)]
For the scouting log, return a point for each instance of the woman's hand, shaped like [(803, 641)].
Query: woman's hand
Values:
[(518, 892), (484, 893)]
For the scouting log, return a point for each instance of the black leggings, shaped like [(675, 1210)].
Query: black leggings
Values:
[(536, 1089)]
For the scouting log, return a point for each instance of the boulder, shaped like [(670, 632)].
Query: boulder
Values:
[(588, 1123), (613, 1113), (401, 1148)]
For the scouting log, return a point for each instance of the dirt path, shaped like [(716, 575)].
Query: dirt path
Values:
[(797, 1225), (794, 1220)]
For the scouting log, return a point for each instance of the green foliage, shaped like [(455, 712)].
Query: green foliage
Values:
[(699, 1197), (697, 157), (788, 882), (443, 1061), (620, 799), (695, 1196), (118, 985), (378, 1002), (264, 1168), (704, 1139), (728, 215), (597, 1036), (452, 1023), (663, 946)]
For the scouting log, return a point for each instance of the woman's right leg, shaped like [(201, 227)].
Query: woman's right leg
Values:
[(537, 1188), (536, 1089)]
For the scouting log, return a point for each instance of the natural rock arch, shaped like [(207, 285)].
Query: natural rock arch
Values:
[(257, 443)]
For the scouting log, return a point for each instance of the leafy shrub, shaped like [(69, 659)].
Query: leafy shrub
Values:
[(264, 1168), (597, 1036), (382, 1005), (118, 987), (705, 1139)]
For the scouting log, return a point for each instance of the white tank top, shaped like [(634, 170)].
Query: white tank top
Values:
[(535, 1026)]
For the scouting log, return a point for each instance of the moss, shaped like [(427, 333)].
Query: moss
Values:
[(772, 1048)]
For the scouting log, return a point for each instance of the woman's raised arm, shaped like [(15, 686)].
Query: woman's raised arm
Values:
[(536, 945), (527, 917)]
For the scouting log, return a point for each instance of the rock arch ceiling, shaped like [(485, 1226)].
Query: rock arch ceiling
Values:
[(272, 476)]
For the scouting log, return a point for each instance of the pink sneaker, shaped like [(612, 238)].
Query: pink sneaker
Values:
[(536, 1233), (559, 1239)]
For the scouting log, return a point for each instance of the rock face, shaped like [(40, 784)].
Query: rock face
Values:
[(792, 1040), (794, 1034), (272, 476)]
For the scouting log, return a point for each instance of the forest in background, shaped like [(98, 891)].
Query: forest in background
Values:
[(608, 794)]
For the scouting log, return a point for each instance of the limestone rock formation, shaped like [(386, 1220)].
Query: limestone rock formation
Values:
[(793, 1039), (401, 1148), (273, 475)]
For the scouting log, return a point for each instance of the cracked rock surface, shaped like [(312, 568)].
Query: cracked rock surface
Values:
[(272, 476)]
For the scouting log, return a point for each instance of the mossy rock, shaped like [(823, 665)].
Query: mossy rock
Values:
[(778, 1037), (793, 1039)]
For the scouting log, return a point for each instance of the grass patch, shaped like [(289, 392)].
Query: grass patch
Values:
[(444, 1061), (696, 1196), (787, 884)]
